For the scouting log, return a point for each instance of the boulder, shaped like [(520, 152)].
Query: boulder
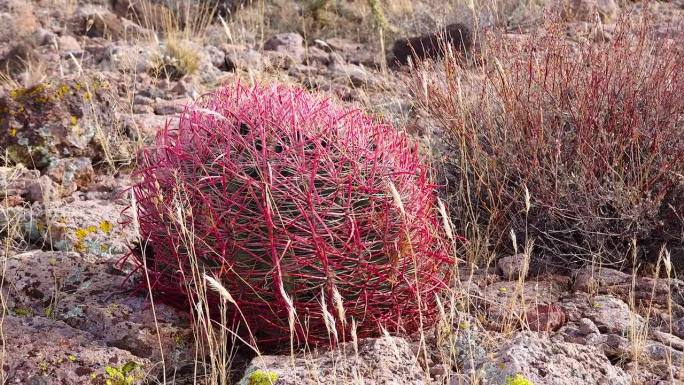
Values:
[(513, 266), (290, 44), (610, 314), (588, 10), (661, 291), (544, 361), (40, 350), (381, 361), (71, 173), (69, 118), (92, 226), (93, 296)]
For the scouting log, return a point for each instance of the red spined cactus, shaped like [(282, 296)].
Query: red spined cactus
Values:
[(299, 207)]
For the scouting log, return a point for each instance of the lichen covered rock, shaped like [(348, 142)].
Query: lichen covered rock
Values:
[(54, 120)]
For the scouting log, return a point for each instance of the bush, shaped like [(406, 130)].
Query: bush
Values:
[(592, 133), (289, 201)]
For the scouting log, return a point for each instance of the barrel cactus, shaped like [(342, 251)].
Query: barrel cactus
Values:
[(315, 217)]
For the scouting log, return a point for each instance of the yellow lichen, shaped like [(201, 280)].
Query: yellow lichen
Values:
[(74, 120), (22, 312), (517, 380), (106, 226), (263, 377), (13, 131), (62, 91), (81, 234)]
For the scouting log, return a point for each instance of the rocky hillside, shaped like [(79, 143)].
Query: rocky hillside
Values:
[(85, 84)]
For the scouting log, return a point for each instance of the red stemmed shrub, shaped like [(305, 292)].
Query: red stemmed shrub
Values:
[(278, 194), (578, 146)]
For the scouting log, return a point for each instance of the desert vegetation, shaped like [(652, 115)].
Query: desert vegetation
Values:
[(354, 192)]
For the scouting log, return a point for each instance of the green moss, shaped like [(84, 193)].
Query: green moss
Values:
[(263, 377), (517, 380)]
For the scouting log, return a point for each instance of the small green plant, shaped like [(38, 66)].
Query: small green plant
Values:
[(121, 376), (263, 377), (518, 379)]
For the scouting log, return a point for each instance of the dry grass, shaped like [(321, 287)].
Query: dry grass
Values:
[(591, 131)]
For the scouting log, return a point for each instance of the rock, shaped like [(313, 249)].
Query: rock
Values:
[(668, 339), (386, 360), (586, 10), (15, 183), (68, 45), (503, 301), (90, 294), (95, 21), (92, 226), (351, 74), (40, 350), (548, 362), (587, 326), (610, 281), (431, 46), (54, 120), (344, 50), (656, 351), (170, 107), (513, 266), (131, 59), (678, 328), (145, 126), (44, 190), (238, 57), (290, 44), (610, 314), (71, 173), (545, 318)]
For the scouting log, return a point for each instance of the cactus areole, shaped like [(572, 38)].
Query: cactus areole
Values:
[(316, 218)]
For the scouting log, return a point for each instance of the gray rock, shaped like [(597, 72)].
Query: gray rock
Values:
[(513, 266), (145, 126), (86, 292), (69, 118), (40, 350), (290, 44), (614, 282), (91, 226), (381, 361), (15, 182), (610, 314), (587, 326), (44, 191), (351, 74), (68, 45), (170, 107), (548, 362), (238, 57), (678, 328), (587, 10), (71, 173)]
